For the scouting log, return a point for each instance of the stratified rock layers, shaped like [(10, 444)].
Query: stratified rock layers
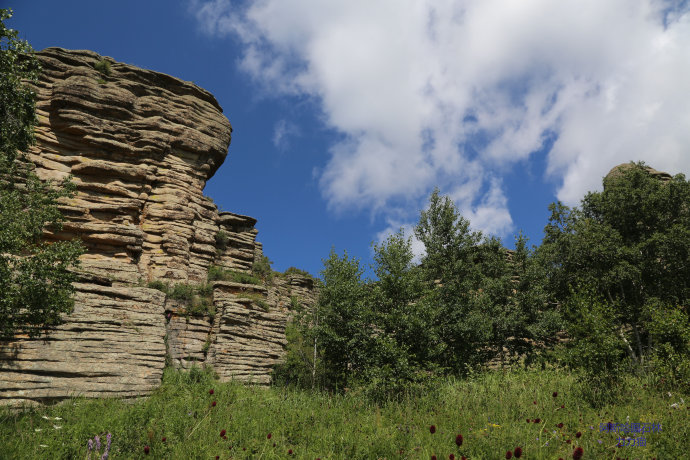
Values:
[(140, 146)]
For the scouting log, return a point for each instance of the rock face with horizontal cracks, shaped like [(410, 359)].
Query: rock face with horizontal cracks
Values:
[(140, 146)]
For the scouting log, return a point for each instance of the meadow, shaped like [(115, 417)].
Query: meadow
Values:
[(533, 414)]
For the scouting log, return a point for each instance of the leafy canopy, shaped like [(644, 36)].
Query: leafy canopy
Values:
[(35, 281)]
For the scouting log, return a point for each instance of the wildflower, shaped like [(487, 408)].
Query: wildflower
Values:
[(577, 453), (432, 429), (163, 439), (222, 433), (289, 451), (599, 441), (217, 457), (555, 393), (560, 425), (562, 406), (146, 449), (517, 452), (268, 436), (537, 420), (57, 427), (458, 440), (89, 445), (568, 441), (108, 438), (213, 404), (534, 402), (451, 457), (578, 434), (274, 444), (210, 391), (528, 420), (509, 455), (433, 457)]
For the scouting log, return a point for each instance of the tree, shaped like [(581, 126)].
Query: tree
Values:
[(35, 281), (629, 247)]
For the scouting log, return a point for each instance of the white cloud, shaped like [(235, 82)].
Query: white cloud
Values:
[(412, 84)]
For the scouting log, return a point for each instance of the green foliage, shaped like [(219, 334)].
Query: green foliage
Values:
[(295, 303), (197, 298), (160, 285), (597, 347), (216, 273), (297, 271), (256, 298), (262, 269), (629, 245), (35, 278), (103, 66), (222, 240)]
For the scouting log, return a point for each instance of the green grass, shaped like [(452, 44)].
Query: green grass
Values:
[(490, 411)]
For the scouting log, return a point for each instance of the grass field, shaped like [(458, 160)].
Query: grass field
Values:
[(539, 411)]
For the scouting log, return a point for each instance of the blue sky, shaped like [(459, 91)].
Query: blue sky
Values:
[(346, 114)]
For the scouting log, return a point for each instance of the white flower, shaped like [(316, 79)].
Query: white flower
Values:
[(57, 418), (57, 427), (674, 405), (47, 418), (38, 429), (42, 445)]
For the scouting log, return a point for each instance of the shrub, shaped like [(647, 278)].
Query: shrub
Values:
[(160, 285), (216, 273), (222, 239), (297, 271), (103, 67), (295, 303), (258, 299), (262, 269), (183, 291)]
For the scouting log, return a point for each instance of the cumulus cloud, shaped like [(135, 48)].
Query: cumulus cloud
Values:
[(454, 92)]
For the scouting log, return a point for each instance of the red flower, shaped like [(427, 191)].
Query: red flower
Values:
[(568, 441), (433, 457), (577, 453), (213, 404), (222, 433), (432, 429), (210, 391), (146, 449), (274, 444), (537, 420), (578, 434), (562, 406), (451, 457), (528, 420), (509, 455), (534, 402), (164, 438), (217, 457), (560, 425), (517, 452), (268, 436), (289, 451), (555, 393), (458, 440)]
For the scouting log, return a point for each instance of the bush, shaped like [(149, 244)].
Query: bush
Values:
[(258, 299), (103, 67), (262, 269), (297, 271), (183, 291), (216, 273), (222, 239), (160, 285)]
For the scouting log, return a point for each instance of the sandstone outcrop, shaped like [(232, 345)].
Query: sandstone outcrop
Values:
[(140, 146)]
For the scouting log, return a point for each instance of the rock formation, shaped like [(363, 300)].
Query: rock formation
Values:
[(141, 146)]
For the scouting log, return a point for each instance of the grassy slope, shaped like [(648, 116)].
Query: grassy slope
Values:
[(490, 412)]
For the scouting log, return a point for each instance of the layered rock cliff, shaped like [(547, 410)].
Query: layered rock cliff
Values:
[(140, 146)]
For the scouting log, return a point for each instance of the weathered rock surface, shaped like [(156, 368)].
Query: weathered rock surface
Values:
[(140, 146)]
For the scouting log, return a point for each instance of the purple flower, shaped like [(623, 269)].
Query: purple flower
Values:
[(107, 447), (90, 444), (97, 439)]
